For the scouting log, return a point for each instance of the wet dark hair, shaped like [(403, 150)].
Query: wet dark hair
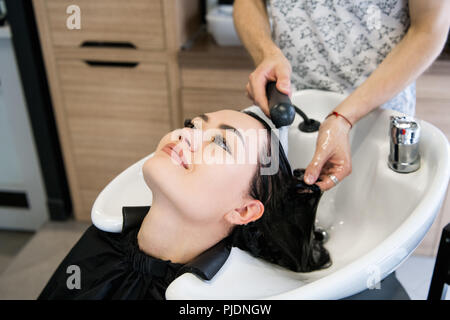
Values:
[(284, 235)]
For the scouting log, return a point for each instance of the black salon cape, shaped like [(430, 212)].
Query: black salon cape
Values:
[(113, 267)]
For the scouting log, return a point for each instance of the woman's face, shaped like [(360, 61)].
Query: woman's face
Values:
[(204, 170)]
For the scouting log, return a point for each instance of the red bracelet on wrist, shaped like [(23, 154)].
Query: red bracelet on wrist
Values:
[(340, 115)]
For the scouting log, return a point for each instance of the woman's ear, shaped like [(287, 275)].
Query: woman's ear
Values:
[(251, 211)]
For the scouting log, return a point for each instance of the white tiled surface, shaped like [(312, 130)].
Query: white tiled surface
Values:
[(415, 276)]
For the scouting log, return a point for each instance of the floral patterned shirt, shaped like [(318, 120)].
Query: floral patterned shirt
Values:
[(335, 45)]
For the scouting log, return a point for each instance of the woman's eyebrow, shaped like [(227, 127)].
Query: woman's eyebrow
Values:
[(236, 131), (224, 126), (204, 117)]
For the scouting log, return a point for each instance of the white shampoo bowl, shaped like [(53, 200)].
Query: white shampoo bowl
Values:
[(375, 217)]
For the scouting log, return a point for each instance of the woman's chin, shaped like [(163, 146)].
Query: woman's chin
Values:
[(160, 173)]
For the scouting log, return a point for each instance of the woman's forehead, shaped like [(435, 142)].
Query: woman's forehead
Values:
[(237, 119)]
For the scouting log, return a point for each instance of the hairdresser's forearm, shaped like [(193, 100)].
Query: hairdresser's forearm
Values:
[(252, 25), (408, 60)]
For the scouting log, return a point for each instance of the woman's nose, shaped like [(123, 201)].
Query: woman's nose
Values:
[(190, 137)]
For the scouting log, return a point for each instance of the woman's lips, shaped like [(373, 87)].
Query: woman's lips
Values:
[(177, 156)]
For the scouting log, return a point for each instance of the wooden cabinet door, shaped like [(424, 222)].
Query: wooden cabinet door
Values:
[(136, 22), (198, 101), (116, 114), (212, 89)]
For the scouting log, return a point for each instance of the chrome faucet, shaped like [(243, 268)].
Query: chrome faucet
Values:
[(404, 135)]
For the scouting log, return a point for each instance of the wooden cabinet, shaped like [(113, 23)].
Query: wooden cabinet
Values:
[(197, 101), (115, 115), (211, 89), (213, 77), (114, 83), (136, 22), (112, 91)]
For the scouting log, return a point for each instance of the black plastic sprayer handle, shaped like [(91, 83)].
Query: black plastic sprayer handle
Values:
[(282, 113)]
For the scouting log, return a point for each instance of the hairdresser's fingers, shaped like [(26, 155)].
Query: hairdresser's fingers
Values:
[(314, 168), (249, 93), (327, 167), (339, 165), (323, 176), (258, 86), (327, 183), (284, 80)]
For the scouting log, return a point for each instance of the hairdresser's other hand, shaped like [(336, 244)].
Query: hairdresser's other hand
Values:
[(273, 67), (332, 155)]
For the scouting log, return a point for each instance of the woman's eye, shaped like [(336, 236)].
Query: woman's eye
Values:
[(189, 124), (219, 140)]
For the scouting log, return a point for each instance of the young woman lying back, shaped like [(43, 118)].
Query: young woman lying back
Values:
[(221, 181)]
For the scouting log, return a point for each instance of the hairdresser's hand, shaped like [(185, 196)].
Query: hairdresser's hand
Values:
[(332, 154), (274, 67)]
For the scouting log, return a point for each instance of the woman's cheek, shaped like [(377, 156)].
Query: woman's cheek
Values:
[(164, 140), (146, 171)]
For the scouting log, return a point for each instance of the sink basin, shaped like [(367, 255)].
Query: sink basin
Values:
[(375, 218)]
